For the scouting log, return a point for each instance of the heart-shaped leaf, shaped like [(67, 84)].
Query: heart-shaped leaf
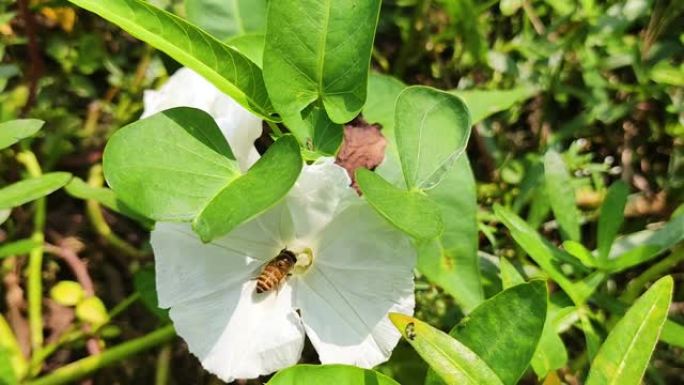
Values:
[(226, 68), (329, 374), (170, 165), (624, 356), (432, 128), (31, 189), (260, 188), (318, 51), (410, 211), (449, 358), (15, 130)]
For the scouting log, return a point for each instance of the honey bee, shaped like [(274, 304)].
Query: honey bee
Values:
[(275, 271)]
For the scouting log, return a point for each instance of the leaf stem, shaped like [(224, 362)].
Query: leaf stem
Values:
[(274, 127), (96, 218), (91, 364), (163, 361), (35, 265), (635, 286)]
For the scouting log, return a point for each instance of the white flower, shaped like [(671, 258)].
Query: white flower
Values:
[(186, 88), (352, 267)]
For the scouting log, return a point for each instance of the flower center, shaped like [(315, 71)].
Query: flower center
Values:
[(305, 259)]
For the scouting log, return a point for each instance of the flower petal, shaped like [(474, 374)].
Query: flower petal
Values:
[(186, 88), (321, 191), (186, 268), (363, 271), (237, 333)]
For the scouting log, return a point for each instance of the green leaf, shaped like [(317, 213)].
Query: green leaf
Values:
[(7, 375), (509, 274), (260, 188), (642, 246), (383, 91), (20, 247), (517, 314), (10, 354), (13, 131), (250, 45), (624, 356), (67, 293), (449, 358), (226, 68), (77, 188), (484, 103), (535, 247), (409, 211), (227, 18), (31, 189), (432, 130), (561, 195), (673, 334), (327, 135), (318, 51), (329, 374), (611, 217), (452, 261), (170, 165), (145, 285), (580, 252)]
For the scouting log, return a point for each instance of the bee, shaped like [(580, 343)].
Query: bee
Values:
[(275, 271)]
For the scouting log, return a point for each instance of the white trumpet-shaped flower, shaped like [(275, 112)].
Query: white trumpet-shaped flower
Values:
[(352, 270)]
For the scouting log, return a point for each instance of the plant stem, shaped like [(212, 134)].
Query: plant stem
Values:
[(163, 360), (35, 265), (96, 218), (89, 365), (635, 286), (274, 127)]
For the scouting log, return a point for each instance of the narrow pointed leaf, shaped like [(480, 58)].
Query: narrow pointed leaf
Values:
[(642, 246), (611, 217), (227, 18), (260, 188), (329, 374), (15, 130), (450, 359), (432, 129), (222, 65), (517, 314), (409, 211), (319, 51), (20, 247), (31, 189), (624, 356), (561, 195), (170, 165)]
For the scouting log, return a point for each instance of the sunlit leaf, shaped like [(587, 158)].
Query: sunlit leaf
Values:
[(450, 359), (624, 356), (432, 129), (31, 189), (170, 165), (409, 211), (483, 103), (517, 314), (318, 51), (225, 67), (329, 374), (264, 184)]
